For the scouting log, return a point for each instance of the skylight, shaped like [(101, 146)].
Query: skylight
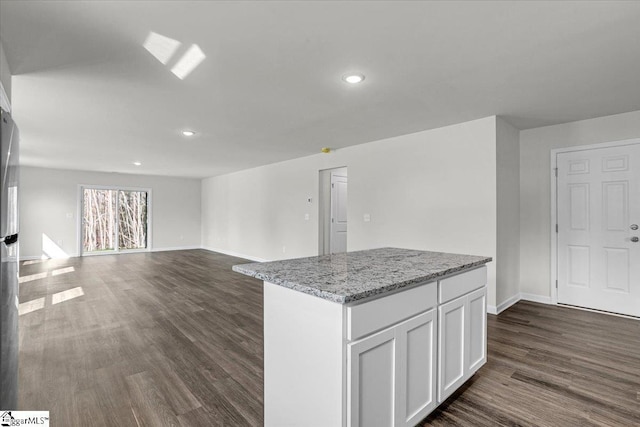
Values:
[(189, 61), (161, 47)]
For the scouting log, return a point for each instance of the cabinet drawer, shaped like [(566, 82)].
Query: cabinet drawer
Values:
[(368, 317), (461, 284)]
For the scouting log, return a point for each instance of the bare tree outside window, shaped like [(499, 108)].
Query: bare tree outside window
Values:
[(132, 219), (114, 219)]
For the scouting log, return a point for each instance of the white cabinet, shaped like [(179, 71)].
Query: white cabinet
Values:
[(461, 340), (386, 361), (372, 373), (416, 359), (477, 302), (391, 374), (451, 345)]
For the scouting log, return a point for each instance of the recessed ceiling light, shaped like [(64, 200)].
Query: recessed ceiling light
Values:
[(353, 78), (137, 163), (188, 133)]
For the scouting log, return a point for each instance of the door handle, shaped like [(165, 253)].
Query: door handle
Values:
[(634, 239), (633, 226)]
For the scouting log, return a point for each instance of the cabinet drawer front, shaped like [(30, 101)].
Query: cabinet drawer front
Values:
[(461, 284), (368, 317)]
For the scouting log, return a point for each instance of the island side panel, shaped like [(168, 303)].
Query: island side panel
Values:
[(303, 359)]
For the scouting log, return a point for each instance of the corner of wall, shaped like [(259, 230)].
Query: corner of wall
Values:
[(508, 213)]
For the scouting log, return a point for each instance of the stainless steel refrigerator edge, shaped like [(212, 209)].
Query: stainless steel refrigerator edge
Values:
[(9, 248)]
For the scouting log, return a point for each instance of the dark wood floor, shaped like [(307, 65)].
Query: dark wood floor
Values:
[(175, 338)]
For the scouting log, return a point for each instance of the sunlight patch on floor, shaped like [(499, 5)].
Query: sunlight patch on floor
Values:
[(30, 306), (62, 271), (66, 295), (32, 277)]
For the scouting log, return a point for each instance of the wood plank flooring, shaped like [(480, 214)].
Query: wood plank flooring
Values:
[(175, 338)]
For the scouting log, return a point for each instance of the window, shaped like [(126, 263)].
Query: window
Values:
[(114, 220)]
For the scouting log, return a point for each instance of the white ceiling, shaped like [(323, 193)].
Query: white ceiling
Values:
[(87, 95)]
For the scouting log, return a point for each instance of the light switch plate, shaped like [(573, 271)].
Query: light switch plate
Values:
[(367, 217)]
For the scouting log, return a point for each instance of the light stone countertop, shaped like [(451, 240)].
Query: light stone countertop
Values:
[(353, 276)]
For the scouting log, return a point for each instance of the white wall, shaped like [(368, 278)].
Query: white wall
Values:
[(508, 221), (5, 72), (48, 195), (535, 181), (432, 190)]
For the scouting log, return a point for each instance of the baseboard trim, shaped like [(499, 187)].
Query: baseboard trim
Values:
[(492, 309), (235, 254), (40, 258), (508, 303), (543, 299), (175, 248), (31, 258)]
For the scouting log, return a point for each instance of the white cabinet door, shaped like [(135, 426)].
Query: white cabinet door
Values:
[(462, 337), (416, 359), (453, 355), (391, 374), (477, 326), (371, 378)]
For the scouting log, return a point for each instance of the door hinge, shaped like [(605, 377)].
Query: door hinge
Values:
[(333, 185), (556, 228), (556, 171), (556, 283), (332, 220)]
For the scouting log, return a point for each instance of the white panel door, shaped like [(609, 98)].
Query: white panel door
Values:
[(416, 359), (338, 238), (371, 384), (598, 217)]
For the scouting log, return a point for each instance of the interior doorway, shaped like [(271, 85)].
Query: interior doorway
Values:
[(332, 213), (114, 220), (598, 219)]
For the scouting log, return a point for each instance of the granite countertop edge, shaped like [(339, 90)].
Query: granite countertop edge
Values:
[(345, 299)]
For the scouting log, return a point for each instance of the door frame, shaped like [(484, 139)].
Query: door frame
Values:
[(324, 205), (333, 204), (80, 216), (553, 282)]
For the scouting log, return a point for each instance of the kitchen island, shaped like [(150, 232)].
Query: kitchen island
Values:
[(370, 338)]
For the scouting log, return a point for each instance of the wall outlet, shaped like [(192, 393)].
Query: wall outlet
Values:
[(284, 249), (367, 217), (60, 242)]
